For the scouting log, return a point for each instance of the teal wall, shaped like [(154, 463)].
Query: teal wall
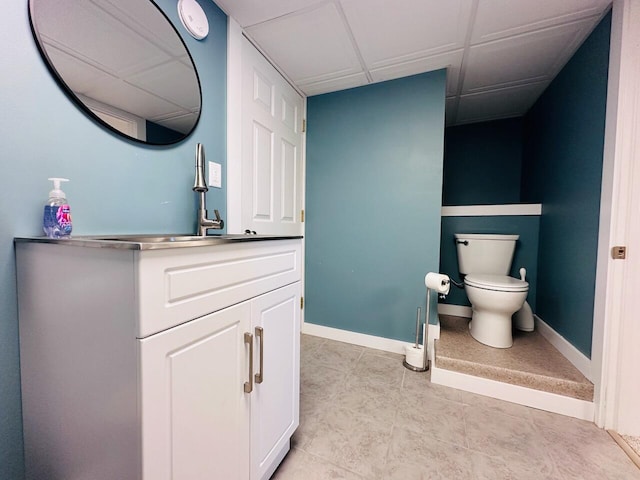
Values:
[(44, 135), (374, 186), (482, 163), (526, 254), (562, 168)]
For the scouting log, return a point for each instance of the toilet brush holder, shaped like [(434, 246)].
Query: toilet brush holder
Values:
[(416, 354)]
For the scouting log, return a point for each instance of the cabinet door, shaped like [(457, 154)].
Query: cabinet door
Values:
[(275, 402), (195, 413)]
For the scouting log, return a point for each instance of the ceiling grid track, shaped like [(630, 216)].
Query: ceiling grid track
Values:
[(353, 41), (465, 57)]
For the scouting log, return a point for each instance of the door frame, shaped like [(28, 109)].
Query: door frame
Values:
[(615, 304)]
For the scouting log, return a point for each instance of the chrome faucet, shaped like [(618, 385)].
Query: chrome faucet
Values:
[(200, 186)]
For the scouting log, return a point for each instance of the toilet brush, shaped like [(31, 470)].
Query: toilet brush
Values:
[(415, 355)]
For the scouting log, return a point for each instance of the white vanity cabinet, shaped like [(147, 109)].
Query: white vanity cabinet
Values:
[(195, 410), (195, 414), (137, 364), (276, 395)]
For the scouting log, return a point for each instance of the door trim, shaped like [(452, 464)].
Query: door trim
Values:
[(615, 303), (234, 127)]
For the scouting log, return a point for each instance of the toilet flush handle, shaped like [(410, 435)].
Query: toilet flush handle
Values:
[(523, 273)]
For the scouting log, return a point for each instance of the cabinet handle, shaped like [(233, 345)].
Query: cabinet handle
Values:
[(260, 335), (248, 386)]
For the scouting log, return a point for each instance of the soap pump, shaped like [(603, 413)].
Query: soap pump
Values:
[(57, 213)]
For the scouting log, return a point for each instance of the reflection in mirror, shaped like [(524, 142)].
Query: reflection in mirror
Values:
[(123, 62)]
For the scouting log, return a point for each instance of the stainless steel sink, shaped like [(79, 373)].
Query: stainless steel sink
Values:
[(151, 238), (144, 241)]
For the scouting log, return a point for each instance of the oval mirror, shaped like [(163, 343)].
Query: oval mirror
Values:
[(123, 62)]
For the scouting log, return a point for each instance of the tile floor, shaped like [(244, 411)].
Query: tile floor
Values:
[(364, 416)]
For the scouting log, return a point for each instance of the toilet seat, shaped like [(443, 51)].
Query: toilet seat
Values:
[(499, 283)]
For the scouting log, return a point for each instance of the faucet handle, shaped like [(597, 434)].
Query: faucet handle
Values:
[(217, 214)]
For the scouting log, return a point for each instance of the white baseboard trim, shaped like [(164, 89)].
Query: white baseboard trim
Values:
[(370, 341), (454, 310), (550, 402), (361, 339), (571, 353)]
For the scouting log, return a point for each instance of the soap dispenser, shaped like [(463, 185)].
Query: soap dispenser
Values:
[(57, 213)]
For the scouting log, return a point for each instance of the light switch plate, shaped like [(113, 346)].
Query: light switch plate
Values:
[(215, 175)]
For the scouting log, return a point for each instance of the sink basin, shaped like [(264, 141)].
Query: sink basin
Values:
[(145, 241)]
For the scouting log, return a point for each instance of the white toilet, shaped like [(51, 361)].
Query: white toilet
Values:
[(485, 260)]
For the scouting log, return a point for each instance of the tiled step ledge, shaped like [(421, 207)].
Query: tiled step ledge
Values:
[(559, 386), (571, 353), (529, 397)]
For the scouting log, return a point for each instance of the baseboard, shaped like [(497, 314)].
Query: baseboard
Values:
[(361, 339), (371, 341), (571, 353), (529, 397), (454, 310)]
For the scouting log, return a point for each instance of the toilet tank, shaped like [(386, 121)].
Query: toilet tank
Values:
[(482, 253)]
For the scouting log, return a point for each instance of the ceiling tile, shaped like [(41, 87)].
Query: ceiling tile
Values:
[(310, 46), (402, 32), (525, 58), (84, 74), (127, 97), (341, 83), (451, 61), (87, 40), (141, 18), (180, 122), (501, 18), (503, 103), (154, 81), (250, 12)]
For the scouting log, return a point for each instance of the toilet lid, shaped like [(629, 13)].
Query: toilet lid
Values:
[(496, 282)]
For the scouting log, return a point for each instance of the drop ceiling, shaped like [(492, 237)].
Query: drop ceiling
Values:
[(500, 55)]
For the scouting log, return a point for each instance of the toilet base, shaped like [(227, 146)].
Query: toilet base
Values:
[(491, 329)]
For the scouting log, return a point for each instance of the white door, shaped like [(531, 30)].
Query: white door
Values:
[(275, 402), (272, 148), (195, 413)]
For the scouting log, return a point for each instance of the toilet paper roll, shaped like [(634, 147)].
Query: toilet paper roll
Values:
[(438, 282), (414, 356)]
